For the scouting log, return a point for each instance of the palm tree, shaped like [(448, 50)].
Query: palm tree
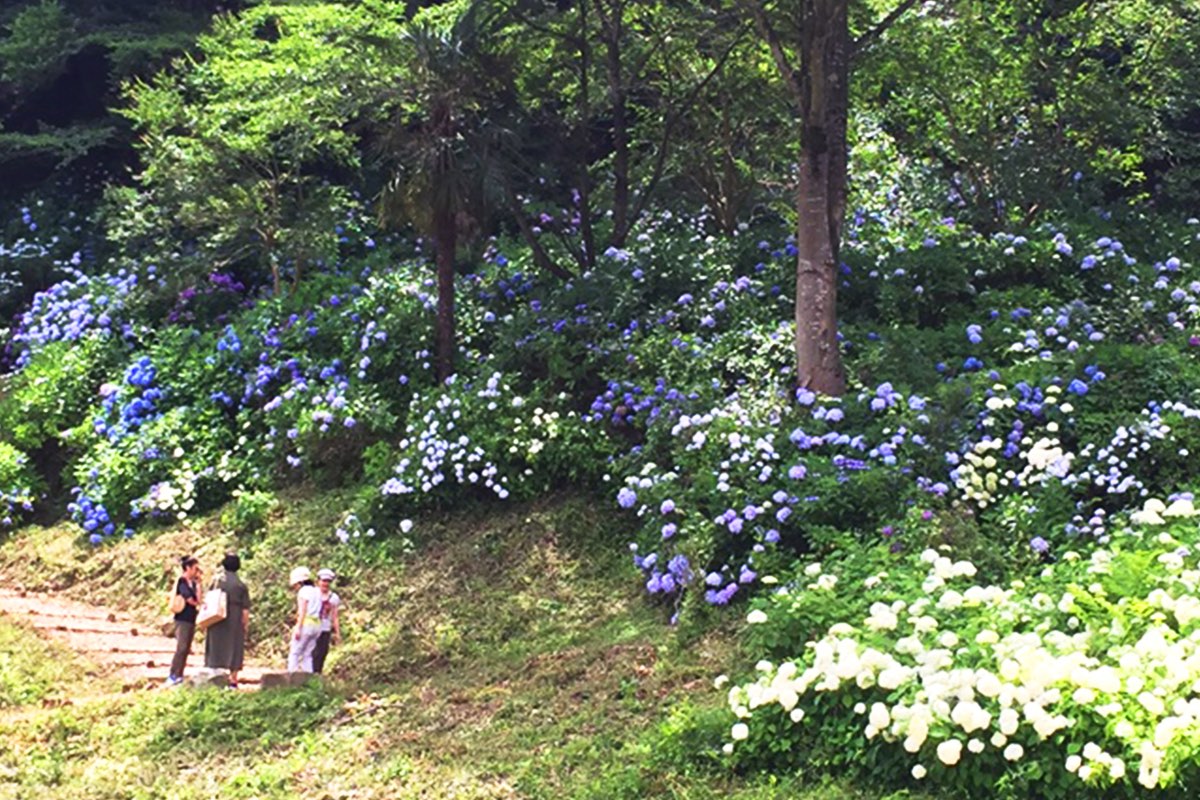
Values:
[(441, 149)]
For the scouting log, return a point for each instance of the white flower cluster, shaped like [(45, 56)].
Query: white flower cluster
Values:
[(1046, 460), (1118, 467), (973, 671), (1155, 511), (981, 476), (176, 496), (437, 452), (351, 527), (744, 443), (978, 477), (529, 437), (450, 443), (990, 469)]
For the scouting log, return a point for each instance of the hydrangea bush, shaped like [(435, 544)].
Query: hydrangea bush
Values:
[(485, 439), (1080, 678), (18, 486), (41, 240), (1001, 605), (990, 377), (1023, 423)]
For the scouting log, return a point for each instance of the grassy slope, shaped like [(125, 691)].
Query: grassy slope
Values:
[(33, 672), (506, 655)]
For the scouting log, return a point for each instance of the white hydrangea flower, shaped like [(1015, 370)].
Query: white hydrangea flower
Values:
[(949, 752)]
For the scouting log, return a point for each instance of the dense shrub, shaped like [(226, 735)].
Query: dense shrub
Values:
[(18, 485), (907, 668), (991, 380), (43, 239), (484, 440), (55, 391)]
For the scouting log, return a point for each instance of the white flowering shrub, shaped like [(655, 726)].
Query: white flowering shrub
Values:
[(486, 439), (1080, 680)]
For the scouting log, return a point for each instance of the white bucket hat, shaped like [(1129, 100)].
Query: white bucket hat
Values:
[(299, 575)]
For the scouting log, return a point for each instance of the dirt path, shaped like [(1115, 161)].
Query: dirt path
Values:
[(136, 654)]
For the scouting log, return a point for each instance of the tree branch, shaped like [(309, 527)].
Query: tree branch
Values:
[(540, 256), (771, 37), (527, 21), (870, 37), (672, 119)]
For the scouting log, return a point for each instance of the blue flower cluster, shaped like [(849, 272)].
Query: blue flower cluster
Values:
[(131, 409), (627, 404), (93, 517), (15, 502), (73, 308), (669, 581)]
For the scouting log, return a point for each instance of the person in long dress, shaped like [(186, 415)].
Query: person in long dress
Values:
[(225, 645)]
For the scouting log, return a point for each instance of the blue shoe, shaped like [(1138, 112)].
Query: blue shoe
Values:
[(174, 680)]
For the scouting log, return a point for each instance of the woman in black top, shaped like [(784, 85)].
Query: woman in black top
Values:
[(187, 587)]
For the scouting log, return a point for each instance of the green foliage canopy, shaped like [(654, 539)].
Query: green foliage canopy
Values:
[(243, 145)]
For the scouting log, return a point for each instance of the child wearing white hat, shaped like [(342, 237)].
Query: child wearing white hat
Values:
[(330, 627), (308, 621)]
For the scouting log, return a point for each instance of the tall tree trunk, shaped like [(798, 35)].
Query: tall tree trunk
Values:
[(614, 34), (821, 191), (445, 236), (583, 133)]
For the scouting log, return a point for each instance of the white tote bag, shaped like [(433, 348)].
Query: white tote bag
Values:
[(213, 609)]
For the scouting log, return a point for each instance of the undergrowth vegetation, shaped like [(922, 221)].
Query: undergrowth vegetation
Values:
[(1016, 399), (513, 315), (32, 671), (563, 689)]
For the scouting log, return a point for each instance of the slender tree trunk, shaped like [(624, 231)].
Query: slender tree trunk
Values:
[(445, 239), (268, 238), (620, 120), (821, 191), (585, 146)]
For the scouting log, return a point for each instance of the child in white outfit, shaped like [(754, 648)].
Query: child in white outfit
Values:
[(308, 621)]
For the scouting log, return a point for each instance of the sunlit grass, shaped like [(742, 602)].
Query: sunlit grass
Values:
[(506, 657)]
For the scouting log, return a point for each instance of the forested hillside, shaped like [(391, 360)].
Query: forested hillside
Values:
[(840, 354)]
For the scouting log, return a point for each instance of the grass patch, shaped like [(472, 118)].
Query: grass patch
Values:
[(211, 720), (32, 670), (510, 656)]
